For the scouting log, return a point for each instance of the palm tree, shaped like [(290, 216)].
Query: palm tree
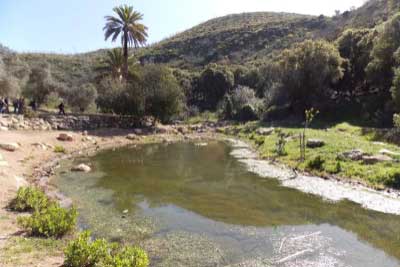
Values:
[(127, 24), (113, 63)]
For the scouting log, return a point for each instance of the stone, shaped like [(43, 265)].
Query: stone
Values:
[(265, 131), (3, 129), (132, 137), (138, 131), (355, 155), (81, 168), (370, 160), (315, 143), (85, 133), (65, 137), (389, 153), (11, 147)]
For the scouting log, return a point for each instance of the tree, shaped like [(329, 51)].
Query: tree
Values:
[(40, 84), (380, 69), (163, 94), (214, 82), (355, 46), (83, 96), (127, 24), (308, 71)]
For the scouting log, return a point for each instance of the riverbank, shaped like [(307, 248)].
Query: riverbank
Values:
[(33, 163), (35, 159)]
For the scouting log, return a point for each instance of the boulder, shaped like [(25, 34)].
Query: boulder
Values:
[(265, 131), (369, 160), (389, 153), (315, 143), (81, 168), (355, 154), (132, 137), (9, 146), (138, 131), (65, 137)]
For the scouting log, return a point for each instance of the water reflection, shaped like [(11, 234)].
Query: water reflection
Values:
[(206, 195)]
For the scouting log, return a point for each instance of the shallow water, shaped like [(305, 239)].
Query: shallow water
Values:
[(192, 205)]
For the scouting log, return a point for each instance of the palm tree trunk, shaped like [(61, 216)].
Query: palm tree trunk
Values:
[(125, 55)]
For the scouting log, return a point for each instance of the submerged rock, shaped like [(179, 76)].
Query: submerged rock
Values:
[(81, 168)]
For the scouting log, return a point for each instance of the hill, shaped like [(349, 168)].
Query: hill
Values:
[(249, 38)]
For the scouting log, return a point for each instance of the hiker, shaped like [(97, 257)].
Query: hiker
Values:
[(6, 106), (21, 105), (1, 105), (33, 105), (61, 108), (16, 105)]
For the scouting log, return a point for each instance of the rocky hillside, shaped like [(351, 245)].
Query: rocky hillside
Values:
[(250, 37), (247, 38)]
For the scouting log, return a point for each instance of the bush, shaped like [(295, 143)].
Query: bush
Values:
[(52, 221), (83, 252), (29, 199), (316, 163), (280, 145), (87, 253), (163, 94), (59, 149), (242, 104), (214, 83), (82, 97), (393, 180), (308, 70), (396, 120)]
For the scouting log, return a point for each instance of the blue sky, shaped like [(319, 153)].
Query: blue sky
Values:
[(72, 26)]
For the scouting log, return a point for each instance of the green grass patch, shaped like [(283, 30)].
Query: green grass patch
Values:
[(60, 149), (338, 138), (18, 250)]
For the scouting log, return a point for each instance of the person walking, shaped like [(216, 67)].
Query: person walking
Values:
[(16, 105), (1, 105), (61, 109), (6, 106)]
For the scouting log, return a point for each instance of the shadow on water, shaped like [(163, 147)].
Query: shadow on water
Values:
[(201, 198)]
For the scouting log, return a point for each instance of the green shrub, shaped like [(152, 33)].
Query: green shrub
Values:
[(396, 120), (29, 199), (338, 167), (280, 145), (87, 253), (82, 252), (59, 149), (52, 221), (393, 179), (316, 163), (259, 140)]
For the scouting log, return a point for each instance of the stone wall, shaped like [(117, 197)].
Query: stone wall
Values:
[(46, 122)]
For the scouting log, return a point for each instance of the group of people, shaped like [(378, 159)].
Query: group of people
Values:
[(17, 104)]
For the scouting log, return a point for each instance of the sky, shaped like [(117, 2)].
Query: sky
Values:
[(75, 26)]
